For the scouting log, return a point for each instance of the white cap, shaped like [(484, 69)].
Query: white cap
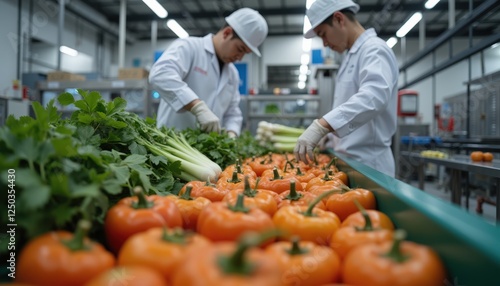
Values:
[(250, 26), (322, 9)]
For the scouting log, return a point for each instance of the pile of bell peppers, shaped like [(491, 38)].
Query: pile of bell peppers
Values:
[(266, 221)]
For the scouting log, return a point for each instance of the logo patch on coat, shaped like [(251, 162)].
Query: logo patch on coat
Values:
[(200, 70)]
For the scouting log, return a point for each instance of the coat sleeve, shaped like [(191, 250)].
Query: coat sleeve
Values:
[(166, 75), (377, 75), (233, 118)]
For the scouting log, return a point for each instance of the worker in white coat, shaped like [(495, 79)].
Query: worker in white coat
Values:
[(197, 80), (363, 118)]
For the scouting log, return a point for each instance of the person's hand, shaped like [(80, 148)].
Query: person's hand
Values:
[(206, 118), (326, 142), (308, 140), (232, 134)]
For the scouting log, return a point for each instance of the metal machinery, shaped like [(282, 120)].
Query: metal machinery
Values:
[(136, 92), (325, 77), (292, 110), (477, 128), (477, 117)]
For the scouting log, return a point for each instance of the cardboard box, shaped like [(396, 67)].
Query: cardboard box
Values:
[(132, 73), (64, 76)]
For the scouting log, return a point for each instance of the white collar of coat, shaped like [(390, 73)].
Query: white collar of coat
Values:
[(208, 44), (369, 33)]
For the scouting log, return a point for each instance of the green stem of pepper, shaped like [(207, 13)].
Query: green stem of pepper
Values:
[(238, 166), (309, 211), (142, 202), (395, 252), (234, 179), (293, 195), (187, 194), (368, 221), (178, 236), (276, 174), (247, 190), (299, 172), (208, 183), (296, 249), (77, 242), (236, 262), (239, 206)]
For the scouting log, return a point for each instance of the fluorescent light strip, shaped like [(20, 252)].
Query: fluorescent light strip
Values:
[(414, 19), (304, 59), (306, 45), (431, 3), (304, 69), (177, 29), (391, 42), (68, 51), (156, 7)]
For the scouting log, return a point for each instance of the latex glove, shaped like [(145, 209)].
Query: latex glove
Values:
[(232, 134), (206, 118), (326, 142), (308, 140)]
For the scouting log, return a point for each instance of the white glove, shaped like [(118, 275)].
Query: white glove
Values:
[(308, 140), (232, 134), (208, 120)]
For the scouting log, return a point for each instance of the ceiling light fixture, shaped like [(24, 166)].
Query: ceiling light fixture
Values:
[(304, 69), (304, 59), (306, 45), (391, 42), (431, 3), (68, 51), (156, 7), (177, 29), (414, 19)]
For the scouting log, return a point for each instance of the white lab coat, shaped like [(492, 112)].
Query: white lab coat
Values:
[(188, 70), (364, 105)]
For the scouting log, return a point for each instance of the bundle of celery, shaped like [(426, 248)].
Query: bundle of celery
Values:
[(126, 132), (282, 138)]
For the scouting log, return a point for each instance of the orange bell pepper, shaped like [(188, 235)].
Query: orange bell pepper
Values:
[(260, 164), (135, 214), (63, 258), (230, 264), (237, 181), (378, 220), (297, 198), (204, 189), (240, 169), (189, 207), (160, 249), (221, 221), (347, 238), (278, 183), (254, 198), (308, 223), (393, 263), (342, 203), (306, 263), (325, 180)]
